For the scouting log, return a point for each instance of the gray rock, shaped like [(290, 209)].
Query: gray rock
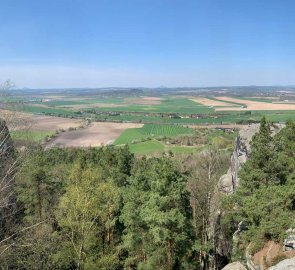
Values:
[(288, 264), (230, 181), (234, 266)]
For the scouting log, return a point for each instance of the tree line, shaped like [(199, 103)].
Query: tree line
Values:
[(265, 199), (104, 208)]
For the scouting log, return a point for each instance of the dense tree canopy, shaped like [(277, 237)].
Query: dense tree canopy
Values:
[(104, 208), (265, 199)]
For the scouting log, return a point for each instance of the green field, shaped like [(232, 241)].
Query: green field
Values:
[(168, 105), (132, 135), (148, 147), (44, 110), (230, 117), (156, 147), (172, 109), (31, 135), (151, 139)]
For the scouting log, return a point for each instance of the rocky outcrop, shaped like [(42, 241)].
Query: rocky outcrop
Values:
[(235, 266), (230, 181), (288, 264), (228, 184)]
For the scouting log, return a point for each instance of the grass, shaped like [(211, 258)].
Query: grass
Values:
[(230, 117), (157, 114), (165, 130), (217, 138), (168, 105), (149, 131), (31, 135), (44, 110), (147, 147), (154, 146), (53, 103), (171, 105), (183, 150)]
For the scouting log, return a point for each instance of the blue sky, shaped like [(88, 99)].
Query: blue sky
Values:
[(99, 43)]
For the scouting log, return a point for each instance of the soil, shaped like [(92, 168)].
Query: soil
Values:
[(96, 134), (210, 102), (254, 105), (145, 101)]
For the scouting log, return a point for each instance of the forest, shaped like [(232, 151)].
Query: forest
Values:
[(104, 208)]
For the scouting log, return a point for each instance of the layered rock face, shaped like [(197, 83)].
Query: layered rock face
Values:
[(227, 184), (230, 181)]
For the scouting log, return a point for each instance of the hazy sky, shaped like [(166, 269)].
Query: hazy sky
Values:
[(98, 43)]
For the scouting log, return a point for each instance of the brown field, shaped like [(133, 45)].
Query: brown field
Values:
[(144, 101), (96, 134), (20, 120), (254, 105), (53, 123), (209, 102)]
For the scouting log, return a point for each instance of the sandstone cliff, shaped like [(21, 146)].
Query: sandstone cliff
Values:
[(230, 181)]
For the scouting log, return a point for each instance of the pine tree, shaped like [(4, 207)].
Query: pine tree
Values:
[(156, 215)]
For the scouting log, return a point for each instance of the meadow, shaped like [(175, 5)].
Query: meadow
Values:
[(151, 131), (152, 139), (36, 136)]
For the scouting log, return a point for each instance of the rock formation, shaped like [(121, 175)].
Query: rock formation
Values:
[(235, 266), (230, 181), (288, 264)]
